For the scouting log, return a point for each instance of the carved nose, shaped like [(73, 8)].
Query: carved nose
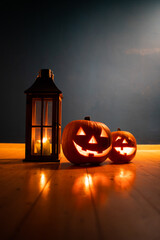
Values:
[(92, 140)]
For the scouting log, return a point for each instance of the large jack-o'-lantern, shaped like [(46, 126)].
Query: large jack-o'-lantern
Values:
[(85, 141), (124, 147)]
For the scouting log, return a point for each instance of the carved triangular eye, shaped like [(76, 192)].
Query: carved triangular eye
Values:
[(103, 133), (118, 138), (124, 141), (80, 131)]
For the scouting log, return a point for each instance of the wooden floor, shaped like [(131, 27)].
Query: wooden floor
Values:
[(50, 201)]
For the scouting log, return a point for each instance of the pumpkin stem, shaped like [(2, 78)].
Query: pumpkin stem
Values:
[(87, 118), (118, 129)]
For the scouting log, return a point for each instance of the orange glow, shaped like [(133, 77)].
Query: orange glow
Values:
[(43, 185), (83, 184), (42, 180), (124, 141), (87, 152), (47, 146), (80, 131), (88, 181), (92, 140), (124, 179), (125, 150), (87, 186), (44, 140)]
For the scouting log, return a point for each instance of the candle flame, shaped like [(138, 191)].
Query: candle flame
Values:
[(44, 139)]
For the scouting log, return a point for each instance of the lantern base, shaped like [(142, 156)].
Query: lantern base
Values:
[(32, 158)]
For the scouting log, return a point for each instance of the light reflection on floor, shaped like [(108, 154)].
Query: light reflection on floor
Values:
[(124, 179), (99, 186)]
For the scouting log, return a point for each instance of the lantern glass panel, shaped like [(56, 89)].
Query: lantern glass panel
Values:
[(60, 110), (47, 112), (56, 146), (36, 141), (36, 111), (47, 141)]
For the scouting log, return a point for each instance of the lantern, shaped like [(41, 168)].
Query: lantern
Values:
[(43, 119)]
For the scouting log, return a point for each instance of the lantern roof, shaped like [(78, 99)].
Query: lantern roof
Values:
[(44, 83)]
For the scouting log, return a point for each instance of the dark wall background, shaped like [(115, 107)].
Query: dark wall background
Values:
[(105, 56)]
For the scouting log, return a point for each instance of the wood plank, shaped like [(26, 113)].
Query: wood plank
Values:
[(45, 201), (148, 162), (64, 212), (131, 210), (21, 185), (12, 151)]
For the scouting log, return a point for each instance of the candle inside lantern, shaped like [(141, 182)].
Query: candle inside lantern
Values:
[(47, 146), (37, 148)]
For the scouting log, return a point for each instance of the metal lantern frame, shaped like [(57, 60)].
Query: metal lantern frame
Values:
[(43, 116)]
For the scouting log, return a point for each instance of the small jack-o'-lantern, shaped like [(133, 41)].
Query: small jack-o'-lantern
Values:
[(85, 141), (124, 147)]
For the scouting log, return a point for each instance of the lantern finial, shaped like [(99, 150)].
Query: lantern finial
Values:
[(44, 83), (87, 118), (46, 73)]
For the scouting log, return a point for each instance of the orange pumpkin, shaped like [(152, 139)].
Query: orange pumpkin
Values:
[(124, 147), (85, 141)]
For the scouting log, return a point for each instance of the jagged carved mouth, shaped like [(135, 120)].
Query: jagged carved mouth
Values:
[(125, 150), (90, 153)]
